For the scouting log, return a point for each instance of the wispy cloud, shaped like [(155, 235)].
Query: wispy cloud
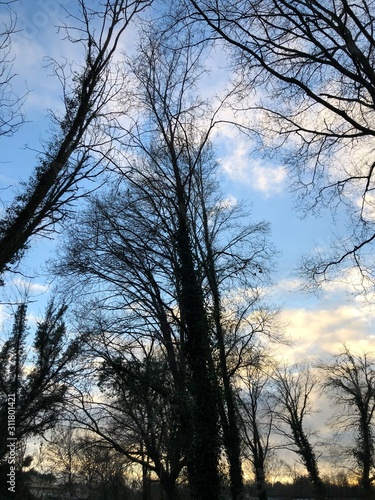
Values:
[(237, 164)]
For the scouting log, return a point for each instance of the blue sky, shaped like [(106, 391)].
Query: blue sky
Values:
[(317, 324)]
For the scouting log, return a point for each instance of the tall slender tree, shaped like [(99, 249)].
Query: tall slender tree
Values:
[(240, 263), (193, 248), (256, 423)]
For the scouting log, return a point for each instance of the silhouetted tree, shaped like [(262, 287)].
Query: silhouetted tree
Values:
[(194, 249), (61, 455), (239, 264), (82, 462), (174, 172), (68, 155), (11, 116), (142, 398), (35, 386), (313, 62), (256, 423), (292, 390), (350, 378)]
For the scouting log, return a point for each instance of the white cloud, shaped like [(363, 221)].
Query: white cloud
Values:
[(267, 179), (228, 202), (285, 289), (240, 167), (4, 315), (26, 287)]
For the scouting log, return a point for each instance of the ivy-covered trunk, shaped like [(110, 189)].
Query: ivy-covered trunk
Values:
[(227, 404), (310, 461), (203, 450)]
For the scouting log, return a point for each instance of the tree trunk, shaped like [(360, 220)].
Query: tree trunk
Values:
[(229, 417), (169, 486), (309, 459), (203, 451), (366, 456), (260, 482)]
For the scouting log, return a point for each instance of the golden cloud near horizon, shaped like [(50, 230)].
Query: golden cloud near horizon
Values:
[(319, 333)]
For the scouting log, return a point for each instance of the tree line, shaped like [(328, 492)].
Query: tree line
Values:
[(107, 405), (165, 276)]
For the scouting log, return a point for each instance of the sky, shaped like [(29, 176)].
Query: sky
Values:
[(317, 324)]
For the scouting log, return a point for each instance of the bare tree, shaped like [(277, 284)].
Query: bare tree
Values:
[(256, 424), (61, 455), (215, 265), (293, 387), (160, 185), (137, 411), (70, 155), (244, 262), (137, 309), (83, 463), (194, 241), (101, 469), (314, 64), (350, 378), (11, 116), (144, 405)]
